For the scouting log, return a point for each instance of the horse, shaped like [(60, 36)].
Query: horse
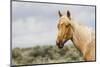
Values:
[(81, 36)]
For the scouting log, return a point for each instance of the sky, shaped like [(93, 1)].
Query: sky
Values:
[(36, 23)]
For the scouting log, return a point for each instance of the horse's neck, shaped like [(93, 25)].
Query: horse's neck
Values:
[(81, 36)]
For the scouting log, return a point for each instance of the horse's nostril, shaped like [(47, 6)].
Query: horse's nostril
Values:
[(57, 43)]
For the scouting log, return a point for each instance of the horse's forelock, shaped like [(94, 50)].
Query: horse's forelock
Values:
[(65, 19)]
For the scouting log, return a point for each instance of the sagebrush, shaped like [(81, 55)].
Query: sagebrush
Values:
[(45, 54)]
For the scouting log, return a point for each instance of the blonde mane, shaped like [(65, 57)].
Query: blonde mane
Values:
[(84, 39)]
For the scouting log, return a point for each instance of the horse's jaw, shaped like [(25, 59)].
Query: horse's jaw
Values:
[(61, 44)]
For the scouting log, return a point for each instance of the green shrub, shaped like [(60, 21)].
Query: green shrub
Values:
[(46, 54), (16, 53)]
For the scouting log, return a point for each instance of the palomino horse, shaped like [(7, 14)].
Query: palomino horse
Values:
[(81, 36)]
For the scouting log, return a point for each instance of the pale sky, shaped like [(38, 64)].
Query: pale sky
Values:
[(36, 23)]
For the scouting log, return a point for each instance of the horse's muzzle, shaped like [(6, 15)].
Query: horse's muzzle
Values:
[(60, 44)]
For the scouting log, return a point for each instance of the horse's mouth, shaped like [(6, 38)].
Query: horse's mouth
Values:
[(60, 47), (60, 44)]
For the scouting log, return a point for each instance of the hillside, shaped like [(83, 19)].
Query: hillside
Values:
[(45, 54)]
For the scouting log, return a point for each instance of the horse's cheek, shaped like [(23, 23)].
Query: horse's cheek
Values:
[(69, 32)]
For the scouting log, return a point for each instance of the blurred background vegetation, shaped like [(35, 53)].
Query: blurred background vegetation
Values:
[(45, 54)]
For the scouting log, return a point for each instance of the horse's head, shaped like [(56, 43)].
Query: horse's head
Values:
[(64, 29)]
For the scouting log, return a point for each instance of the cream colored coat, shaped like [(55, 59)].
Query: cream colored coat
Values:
[(84, 39)]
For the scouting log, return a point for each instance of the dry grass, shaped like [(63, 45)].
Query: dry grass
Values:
[(45, 54)]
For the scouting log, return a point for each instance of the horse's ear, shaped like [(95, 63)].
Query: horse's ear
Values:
[(59, 13), (68, 14)]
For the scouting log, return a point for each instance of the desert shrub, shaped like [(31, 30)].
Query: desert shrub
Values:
[(36, 51), (46, 54), (16, 53)]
